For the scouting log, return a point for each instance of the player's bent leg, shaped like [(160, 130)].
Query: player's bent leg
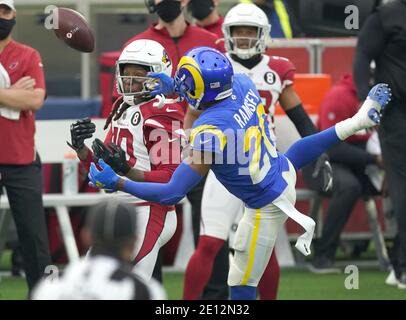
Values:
[(156, 226), (268, 285), (309, 148), (200, 265), (253, 244)]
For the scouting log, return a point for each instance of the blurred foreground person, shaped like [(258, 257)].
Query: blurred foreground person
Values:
[(106, 273)]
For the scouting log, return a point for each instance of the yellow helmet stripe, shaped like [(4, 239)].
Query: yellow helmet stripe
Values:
[(188, 60), (191, 65)]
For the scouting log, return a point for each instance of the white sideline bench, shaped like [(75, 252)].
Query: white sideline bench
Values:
[(61, 203)]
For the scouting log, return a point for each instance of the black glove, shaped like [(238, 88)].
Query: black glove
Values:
[(79, 131), (112, 154), (323, 167)]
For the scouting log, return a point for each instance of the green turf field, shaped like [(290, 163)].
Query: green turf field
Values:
[(294, 284), (303, 285)]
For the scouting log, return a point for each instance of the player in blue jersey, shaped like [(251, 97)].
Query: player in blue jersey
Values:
[(230, 138)]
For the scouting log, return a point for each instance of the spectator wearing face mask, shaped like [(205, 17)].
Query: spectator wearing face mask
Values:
[(207, 16), (172, 30)]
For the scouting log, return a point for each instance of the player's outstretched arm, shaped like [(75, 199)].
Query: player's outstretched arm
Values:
[(185, 177), (311, 147), (80, 131)]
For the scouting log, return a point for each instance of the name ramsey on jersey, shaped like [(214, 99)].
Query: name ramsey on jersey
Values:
[(247, 110)]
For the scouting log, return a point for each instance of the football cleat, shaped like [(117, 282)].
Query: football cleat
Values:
[(380, 93), (369, 114)]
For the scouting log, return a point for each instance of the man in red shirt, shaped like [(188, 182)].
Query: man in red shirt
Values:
[(22, 92), (348, 160)]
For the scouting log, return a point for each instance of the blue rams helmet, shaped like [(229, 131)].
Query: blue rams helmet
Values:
[(204, 75)]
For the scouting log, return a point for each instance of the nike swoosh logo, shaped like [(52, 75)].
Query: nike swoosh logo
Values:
[(171, 110), (205, 141), (172, 140)]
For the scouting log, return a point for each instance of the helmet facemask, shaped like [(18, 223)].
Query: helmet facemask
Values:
[(246, 47), (246, 15), (131, 85)]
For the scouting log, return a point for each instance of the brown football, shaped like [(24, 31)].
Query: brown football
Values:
[(74, 30)]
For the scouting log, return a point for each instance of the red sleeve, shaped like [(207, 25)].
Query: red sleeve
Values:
[(165, 156), (35, 70), (284, 68)]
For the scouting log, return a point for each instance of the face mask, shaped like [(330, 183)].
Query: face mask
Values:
[(168, 10), (6, 26), (201, 8)]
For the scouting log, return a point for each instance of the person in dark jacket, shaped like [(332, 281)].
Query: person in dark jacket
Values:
[(383, 39)]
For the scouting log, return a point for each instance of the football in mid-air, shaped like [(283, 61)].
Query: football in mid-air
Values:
[(74, 30)]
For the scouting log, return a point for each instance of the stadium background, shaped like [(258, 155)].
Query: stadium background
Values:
[(79, 85)]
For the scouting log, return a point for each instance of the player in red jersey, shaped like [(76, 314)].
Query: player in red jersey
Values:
[(143, 143)]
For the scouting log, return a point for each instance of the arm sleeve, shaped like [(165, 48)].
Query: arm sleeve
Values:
[(301, 120), (36, 71), (182, 181), (170, 155), (371, 43)]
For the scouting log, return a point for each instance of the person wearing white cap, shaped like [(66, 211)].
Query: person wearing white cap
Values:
[(22, 92), (9, 3)]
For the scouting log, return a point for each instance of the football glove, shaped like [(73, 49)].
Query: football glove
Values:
[(166, 84), (323, 167), (104, 179), (112, 154), (80, 131)]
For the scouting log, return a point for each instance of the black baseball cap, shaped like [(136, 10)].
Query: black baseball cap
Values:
[(112, 221)]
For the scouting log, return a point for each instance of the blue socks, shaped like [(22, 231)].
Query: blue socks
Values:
[(308, 149), (243, 293)]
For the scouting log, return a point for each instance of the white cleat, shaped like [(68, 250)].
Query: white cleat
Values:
[(391, 279), (369, 115)]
